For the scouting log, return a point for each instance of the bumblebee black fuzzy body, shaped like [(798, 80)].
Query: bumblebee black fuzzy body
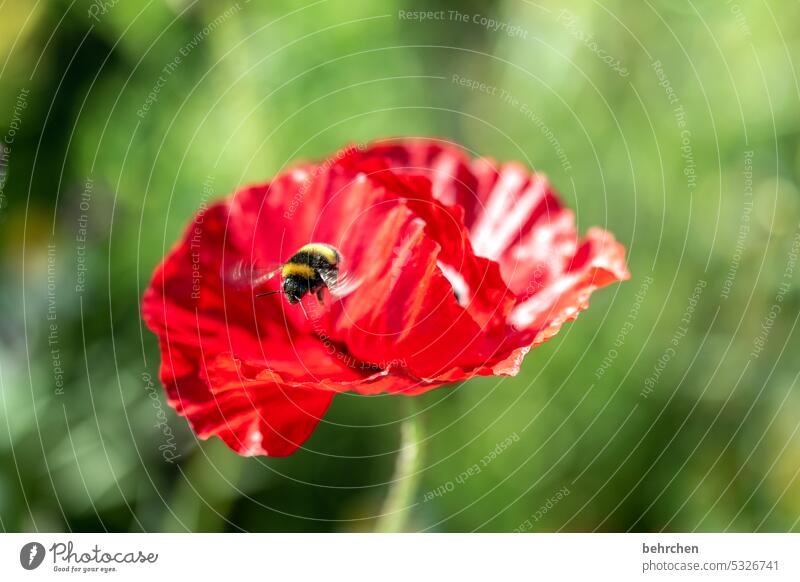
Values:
[(311, 269)]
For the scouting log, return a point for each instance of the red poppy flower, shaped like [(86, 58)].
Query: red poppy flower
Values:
[(463, 265)]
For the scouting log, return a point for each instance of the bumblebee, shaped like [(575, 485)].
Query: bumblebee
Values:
[(312, 269)]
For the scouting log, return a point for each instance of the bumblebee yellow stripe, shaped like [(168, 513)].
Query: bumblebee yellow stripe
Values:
[(298, 270), (321, 249)]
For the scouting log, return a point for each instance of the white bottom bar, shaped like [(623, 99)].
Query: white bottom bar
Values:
[(401, 557)]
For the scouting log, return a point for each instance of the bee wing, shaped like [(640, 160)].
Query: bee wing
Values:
[(339, 287), (244, 275)]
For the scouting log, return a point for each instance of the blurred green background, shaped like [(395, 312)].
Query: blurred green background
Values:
[(671, 404)]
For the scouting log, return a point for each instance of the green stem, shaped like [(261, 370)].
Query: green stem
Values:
[(400, 499)]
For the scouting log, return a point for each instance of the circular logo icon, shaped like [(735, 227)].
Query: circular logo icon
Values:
[(31, 555)]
